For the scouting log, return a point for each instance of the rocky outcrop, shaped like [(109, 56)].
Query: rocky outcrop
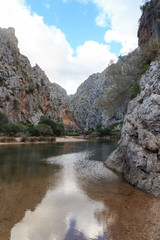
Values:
[(84, 103), (138, 154), (26, 93), (149, 27)]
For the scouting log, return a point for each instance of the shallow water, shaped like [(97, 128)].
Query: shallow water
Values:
[(64, 191)]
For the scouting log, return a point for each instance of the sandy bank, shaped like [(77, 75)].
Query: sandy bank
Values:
[(70, 139)]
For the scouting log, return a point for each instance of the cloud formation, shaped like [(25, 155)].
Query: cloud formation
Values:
[(123, 16), (47, 45)]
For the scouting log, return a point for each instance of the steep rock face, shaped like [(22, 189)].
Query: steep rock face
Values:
[(84, 103), (138, 153), (149, 28), (26, 93)]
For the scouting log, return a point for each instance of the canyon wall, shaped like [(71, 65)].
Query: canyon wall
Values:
[(26, 94)]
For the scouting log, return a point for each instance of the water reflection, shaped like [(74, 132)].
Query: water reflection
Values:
[(66, 212), (64, 192)]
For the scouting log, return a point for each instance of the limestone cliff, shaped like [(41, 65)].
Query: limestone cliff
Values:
[(149, 27), (138, 153), (84, 103), (26, 93)]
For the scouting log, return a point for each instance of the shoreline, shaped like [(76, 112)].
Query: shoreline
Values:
[(17, 140), (41, 140), (70, 139)]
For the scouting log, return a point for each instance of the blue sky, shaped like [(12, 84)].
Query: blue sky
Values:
[(72, 39), (75, 19)]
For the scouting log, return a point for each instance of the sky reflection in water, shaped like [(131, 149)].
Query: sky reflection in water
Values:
[(67, 212)]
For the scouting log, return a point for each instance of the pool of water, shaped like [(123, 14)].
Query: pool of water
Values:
[(64, 191)]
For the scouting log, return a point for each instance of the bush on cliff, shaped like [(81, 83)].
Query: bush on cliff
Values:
[(125, 75)]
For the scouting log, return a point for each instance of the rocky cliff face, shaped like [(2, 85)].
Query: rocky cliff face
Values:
[(138, 153), (26, 93), (149, 27), (84, 103)]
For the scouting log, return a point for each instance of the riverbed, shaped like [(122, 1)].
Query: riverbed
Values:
[(63, 191)]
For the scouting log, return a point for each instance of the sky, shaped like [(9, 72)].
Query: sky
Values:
[(72, 39)]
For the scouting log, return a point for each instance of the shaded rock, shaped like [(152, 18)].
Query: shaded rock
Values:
[(149, 27)]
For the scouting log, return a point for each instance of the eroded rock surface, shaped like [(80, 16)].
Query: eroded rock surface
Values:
[(84, 103), (26, 93), (149, 27), (138, 153)]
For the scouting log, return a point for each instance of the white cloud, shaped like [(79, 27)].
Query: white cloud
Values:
[(67, 202), (47, 46), (123, 16), (101, 19)]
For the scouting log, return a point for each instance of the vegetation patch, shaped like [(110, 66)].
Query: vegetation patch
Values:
[(40, 130), (37, 139), (12, 128), (125, 75), (3, 118), (114, 130), (7, 139), (57, 128)]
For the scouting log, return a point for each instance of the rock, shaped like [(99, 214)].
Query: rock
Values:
[(84, 103), (138, 154), (26, 94), (149, 27)]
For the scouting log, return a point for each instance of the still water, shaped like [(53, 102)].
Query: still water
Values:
[(64, 191)]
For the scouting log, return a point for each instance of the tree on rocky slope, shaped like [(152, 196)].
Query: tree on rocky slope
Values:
[(125, 75)]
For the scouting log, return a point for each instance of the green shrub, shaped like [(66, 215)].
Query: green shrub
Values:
[(16, 104), (105, 132), (37, 86), (52, 139), (24, 139), (134, 89), (146, 6), (2, 81), (57, 128), (7, 139), (40, 130), (12, 129), (111, 130), (144, 68), (3, 118), (31, 88), (32, 139), (42, 82), (7, 98), (125, 75)]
